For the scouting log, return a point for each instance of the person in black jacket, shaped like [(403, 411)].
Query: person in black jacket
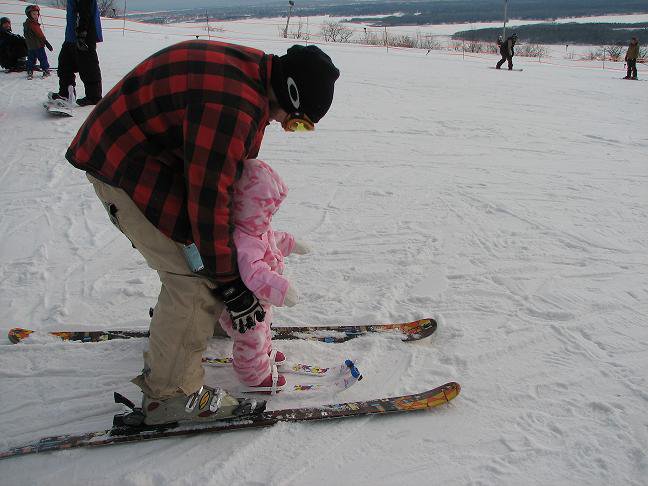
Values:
[(507, 52), (13, 48), (79, 51)]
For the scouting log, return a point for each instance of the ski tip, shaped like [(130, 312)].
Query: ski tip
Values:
[(420, 329), (434, 398), (451, 390), (18, 334)]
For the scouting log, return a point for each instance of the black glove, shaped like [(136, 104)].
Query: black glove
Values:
[(81, 43), (49, 46), (243, 306)]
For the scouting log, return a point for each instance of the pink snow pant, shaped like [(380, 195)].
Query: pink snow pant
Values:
[(251, 349), (185, 316)]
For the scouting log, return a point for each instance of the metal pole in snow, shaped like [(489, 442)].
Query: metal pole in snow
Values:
[(208, 30), (291, 3), (505, 18), (124, 26)]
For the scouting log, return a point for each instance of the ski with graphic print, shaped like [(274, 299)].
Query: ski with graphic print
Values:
[(335, 379), (406, 331), (123, 433), (288, 367)]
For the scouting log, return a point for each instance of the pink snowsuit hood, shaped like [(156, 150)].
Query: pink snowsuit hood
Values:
[(260, 250), (260, 254), (257, 196)]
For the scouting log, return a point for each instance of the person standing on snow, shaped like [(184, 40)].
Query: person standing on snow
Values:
[(13, 48), (36, 42), (260, 254), (163, 150), (507, 52), (632, 54), (79, 52)]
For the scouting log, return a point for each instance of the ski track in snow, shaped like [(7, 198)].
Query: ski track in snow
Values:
[(513, 208)]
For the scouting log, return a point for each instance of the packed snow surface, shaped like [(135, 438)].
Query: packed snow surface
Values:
[(514, 206)]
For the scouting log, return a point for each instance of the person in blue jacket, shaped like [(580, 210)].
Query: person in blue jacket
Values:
[(79, 51)]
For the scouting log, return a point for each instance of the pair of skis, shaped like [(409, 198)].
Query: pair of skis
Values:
[(121, 432)]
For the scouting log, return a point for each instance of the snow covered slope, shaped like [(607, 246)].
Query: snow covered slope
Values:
[(514, 205)]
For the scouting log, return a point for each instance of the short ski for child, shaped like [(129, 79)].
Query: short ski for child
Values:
[(286, 367), (121, 433), (337, 379), (407, 331)]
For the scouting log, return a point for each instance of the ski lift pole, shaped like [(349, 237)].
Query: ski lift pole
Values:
[(505, 19), (291, 4), (124, 25), (386, 41), (208, 29)]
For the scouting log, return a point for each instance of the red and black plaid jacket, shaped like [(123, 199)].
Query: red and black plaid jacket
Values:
[(173, 134)]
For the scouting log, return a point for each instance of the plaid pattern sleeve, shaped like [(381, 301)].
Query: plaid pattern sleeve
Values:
[(173, 134)]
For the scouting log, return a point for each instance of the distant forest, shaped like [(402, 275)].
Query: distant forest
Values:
[(423, 11), (570, 33)]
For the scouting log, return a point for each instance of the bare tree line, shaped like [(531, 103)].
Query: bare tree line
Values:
[(106, 7), (332, 31)]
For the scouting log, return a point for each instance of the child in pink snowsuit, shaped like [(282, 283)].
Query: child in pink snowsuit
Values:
[(260, 252)]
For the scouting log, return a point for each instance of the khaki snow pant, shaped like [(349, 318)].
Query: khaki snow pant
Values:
[(186, 312)]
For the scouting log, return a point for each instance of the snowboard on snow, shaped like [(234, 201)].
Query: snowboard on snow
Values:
[(123, 433), (506, 69), (59, 106), (407, 331), (62, 109)]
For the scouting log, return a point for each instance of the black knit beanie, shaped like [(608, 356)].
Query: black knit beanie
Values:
[(303, 81)]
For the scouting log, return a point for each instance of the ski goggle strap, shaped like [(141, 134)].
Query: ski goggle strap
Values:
[(298, 122)]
